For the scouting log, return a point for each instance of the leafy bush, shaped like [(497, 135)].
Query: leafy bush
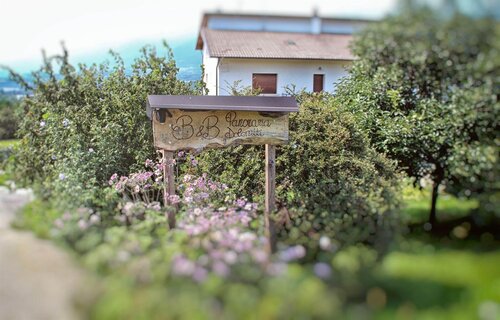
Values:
[(81, 126), (328, 169)]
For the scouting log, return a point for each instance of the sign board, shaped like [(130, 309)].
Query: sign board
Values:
[(190, 129), (198, 122)]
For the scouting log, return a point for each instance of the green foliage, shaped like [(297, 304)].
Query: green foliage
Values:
[(38, 216), (426, 91), (81, 126), (9, 117), (327, 169), (326, 166)]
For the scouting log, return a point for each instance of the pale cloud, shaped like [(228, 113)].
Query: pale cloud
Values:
[(85, 26)]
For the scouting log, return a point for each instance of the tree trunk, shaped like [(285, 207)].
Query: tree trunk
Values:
[(432, 215)]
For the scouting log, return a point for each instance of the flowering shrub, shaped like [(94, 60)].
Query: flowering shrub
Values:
[(217, 228), (144, 186), (216, 238)]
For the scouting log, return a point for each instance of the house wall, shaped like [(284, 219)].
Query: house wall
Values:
[(210, 72), (297, 72)]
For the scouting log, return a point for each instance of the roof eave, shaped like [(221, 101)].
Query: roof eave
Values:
[(283, 58), (199, 41), (226, 103)]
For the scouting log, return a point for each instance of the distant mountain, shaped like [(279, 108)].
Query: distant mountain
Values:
[(187, 58)]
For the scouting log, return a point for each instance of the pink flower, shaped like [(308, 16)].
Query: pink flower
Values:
[(276, 269), (200, 274), (292, 253), (174, 199), (183, 266), (59, 223), (94, 219), (221, 269), (240, 202), (322, 270), (112, 179), (82, 224), (149, 163), (260, 256)]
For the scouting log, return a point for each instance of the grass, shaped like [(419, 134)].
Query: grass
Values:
[(418, 205), (4, 177), (427, 276), (8, 143), (445, 284)]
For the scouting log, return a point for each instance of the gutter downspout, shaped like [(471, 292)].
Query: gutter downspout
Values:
[(217, 76)]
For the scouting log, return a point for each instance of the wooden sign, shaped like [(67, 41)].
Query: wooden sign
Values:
[(196, 129), (198, 122)]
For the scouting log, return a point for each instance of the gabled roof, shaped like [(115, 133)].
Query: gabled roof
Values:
[(277, 45), (207, 16)]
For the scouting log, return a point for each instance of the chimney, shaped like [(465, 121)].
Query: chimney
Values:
[(315, 22)]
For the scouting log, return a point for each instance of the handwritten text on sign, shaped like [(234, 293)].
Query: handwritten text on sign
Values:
[(184, 129)]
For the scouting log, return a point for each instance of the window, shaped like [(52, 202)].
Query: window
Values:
[(265, 81), (318, 82)]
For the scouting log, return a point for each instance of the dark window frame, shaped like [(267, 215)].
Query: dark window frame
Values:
[(315, 89), (265, 90)]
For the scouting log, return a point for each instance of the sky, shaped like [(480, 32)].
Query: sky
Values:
[(91, 26)]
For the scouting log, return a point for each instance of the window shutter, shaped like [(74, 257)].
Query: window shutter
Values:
[(265, 81), (318, 82)]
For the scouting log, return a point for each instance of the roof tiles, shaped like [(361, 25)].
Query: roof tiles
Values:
[(277, 45)]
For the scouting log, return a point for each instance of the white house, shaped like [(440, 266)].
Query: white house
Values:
[(272, 52)]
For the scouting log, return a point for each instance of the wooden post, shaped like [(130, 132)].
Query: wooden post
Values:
[(169, 184), (270, 201)]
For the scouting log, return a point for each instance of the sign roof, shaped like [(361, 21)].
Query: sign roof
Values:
[(243, 103)]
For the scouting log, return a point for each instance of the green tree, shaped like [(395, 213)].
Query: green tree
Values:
[(426, 90)]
